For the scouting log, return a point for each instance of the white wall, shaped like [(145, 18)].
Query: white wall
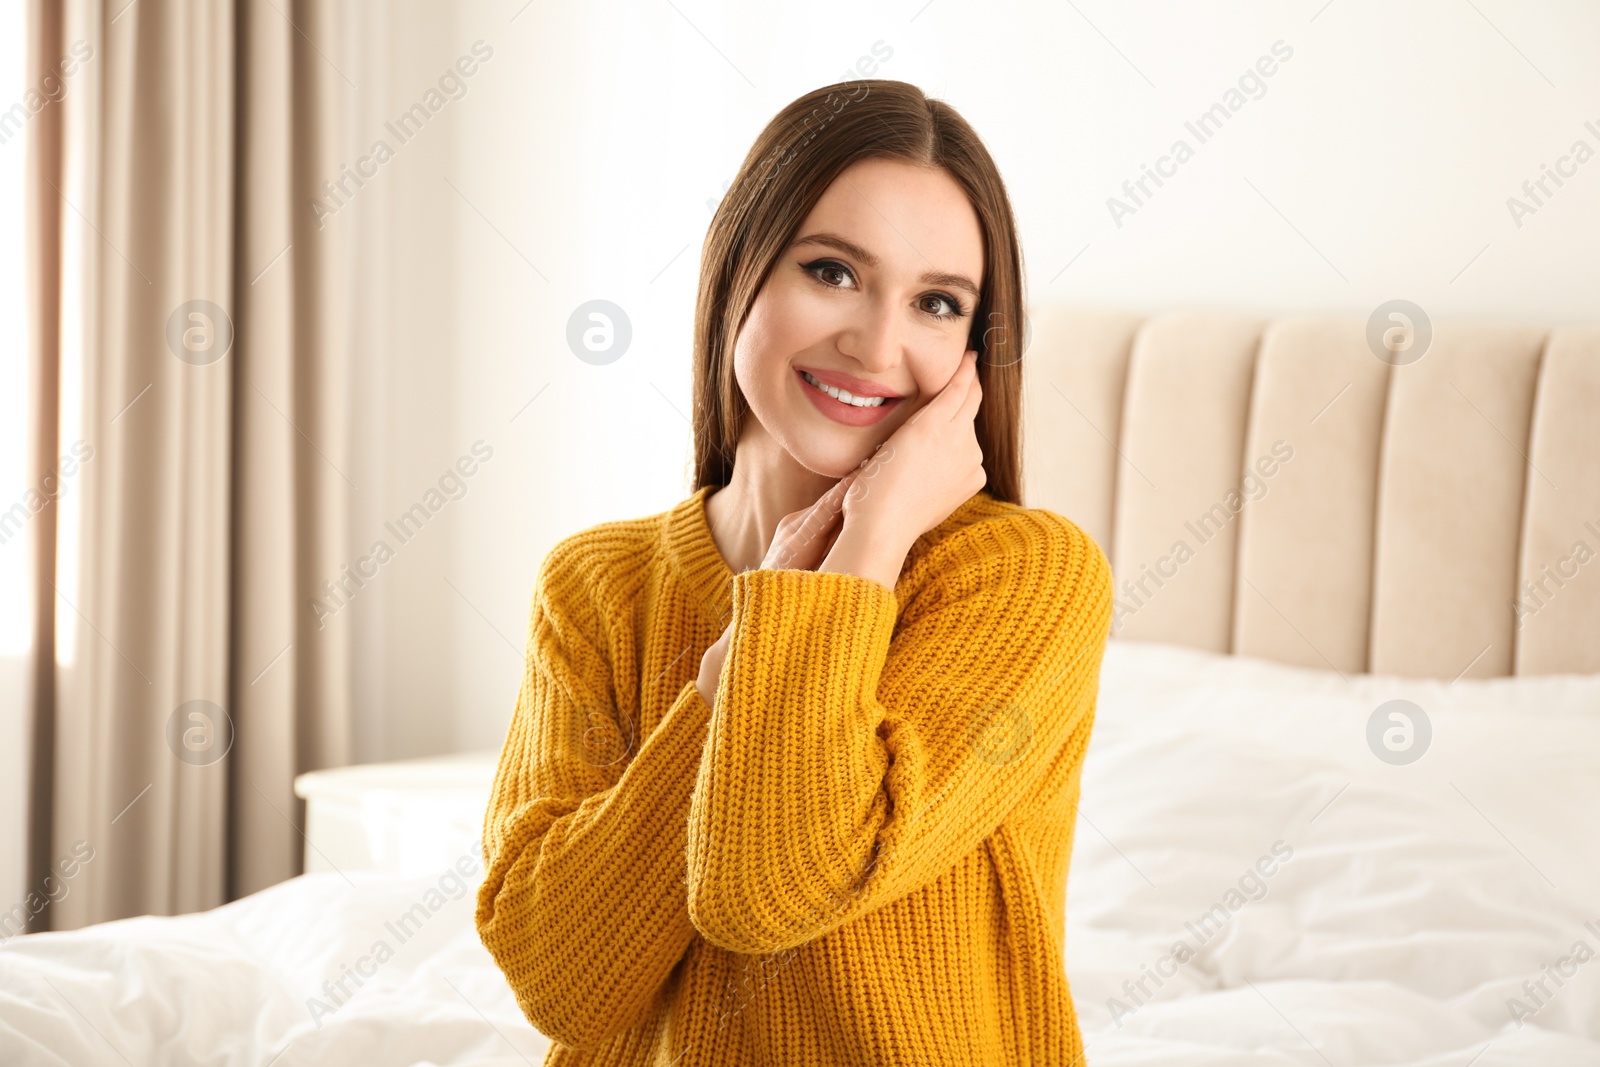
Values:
[(1376, 165), (406, 344)]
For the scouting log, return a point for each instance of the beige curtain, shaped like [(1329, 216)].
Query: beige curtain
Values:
[(188, 354)]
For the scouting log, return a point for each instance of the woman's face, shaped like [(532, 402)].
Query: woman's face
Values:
[(875, 296)]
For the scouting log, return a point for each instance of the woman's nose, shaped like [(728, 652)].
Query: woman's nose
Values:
[(872, 337)]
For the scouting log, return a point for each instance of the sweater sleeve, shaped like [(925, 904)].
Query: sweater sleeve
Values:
[(583, 905), (849, 762)]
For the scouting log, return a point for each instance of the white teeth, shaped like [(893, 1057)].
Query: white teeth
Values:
[(842, 395)]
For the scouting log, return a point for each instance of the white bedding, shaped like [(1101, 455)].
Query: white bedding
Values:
[(1403, 907), (243, 984), (1418, 897)]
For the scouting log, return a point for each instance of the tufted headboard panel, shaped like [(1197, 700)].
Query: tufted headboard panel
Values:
[(1273, 488)]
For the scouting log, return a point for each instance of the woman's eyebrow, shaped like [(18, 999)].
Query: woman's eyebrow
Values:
[(850, 248)]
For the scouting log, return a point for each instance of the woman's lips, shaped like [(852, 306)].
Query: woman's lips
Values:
[(839, 411)]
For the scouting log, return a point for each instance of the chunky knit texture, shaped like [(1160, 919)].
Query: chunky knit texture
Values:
[(858, 856)]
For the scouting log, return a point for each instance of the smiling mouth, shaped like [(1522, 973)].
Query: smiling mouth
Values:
[(846, 397)]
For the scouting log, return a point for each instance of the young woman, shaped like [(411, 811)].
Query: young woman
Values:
[(793, 771)]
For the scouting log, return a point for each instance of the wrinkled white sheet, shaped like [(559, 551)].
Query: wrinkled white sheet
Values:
[(243, 984), (1404, 905), (1416, 899)]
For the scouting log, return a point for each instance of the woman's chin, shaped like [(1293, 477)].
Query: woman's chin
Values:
[(830, 465), (829, 471)]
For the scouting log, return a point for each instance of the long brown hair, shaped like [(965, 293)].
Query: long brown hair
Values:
[(794, 160)]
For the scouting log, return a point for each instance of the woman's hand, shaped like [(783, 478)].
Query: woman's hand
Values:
[(801, 541), (803, 537), (926, 469), (869, 520)]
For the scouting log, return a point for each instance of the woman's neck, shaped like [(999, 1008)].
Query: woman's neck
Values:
[(767, 484)]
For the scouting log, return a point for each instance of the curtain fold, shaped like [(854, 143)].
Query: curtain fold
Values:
[(180, 680), (42, 214)]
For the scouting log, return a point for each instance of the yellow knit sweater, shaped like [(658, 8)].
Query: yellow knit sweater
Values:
[(859, 856)]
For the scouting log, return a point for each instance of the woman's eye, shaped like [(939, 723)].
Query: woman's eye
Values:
[(824, 271), (938, 300)]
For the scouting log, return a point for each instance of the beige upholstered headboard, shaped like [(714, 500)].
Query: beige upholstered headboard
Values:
[(1433, 518)]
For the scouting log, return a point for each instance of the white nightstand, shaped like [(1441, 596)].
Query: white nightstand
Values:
[(410, 817)]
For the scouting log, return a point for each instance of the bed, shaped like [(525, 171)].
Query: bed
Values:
[(1337, 806)]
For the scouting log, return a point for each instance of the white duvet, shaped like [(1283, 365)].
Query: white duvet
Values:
[(1418, 897), (243, 985), (1254, 882)]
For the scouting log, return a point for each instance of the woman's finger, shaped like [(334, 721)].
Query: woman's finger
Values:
[(955, 392), (828, 502), (797, 538), (830, 505), (969, 404), (834, 497)]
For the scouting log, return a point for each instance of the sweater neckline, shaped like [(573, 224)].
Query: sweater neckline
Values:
[(694, 554)]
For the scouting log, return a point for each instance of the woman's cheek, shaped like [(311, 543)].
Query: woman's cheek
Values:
[(808, 318)]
